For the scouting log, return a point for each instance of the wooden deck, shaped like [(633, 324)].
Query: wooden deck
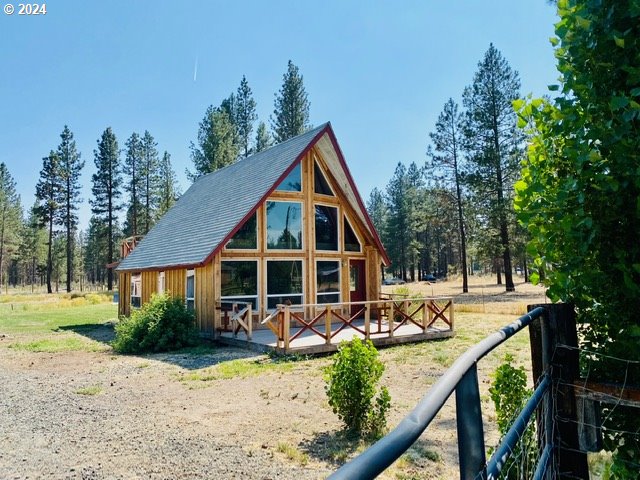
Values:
[(302, 329)]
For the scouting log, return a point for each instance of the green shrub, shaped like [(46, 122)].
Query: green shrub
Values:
[(352, 381), (161, 325), (509, 393)]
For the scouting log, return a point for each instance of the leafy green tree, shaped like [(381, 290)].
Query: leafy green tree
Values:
[(133, 186), (245, 115), (445, 162), (291, 114), (494, 145), (263, 138), (10, 217), (48, 191), (169, 190), (579, 195), (106, 189), (150, 180), (69, 168), (217, 145)]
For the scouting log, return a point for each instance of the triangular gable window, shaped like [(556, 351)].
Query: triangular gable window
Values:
[(321, 185), (351, 242), (293, 181)]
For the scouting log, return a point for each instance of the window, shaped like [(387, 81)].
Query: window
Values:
[(328, 281), (161, 284), (284, 225), (351, 242), (136, 290), (239, 281), (326, 228), (191, 290), (284, 282), (293, 181), (320, 184), (247, 237)]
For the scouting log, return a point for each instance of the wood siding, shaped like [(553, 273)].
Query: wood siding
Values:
[(205, 302), (124, 294), (149, 286), (175, 282)]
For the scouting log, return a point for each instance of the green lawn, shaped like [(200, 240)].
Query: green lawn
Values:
[(37, 320)]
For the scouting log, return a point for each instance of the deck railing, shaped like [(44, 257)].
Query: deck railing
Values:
[(380, 318)]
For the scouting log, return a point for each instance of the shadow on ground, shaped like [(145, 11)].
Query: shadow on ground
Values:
[(334, 447), (204, 355)]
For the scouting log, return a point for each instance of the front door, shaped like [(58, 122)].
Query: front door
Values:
[(357, 284)]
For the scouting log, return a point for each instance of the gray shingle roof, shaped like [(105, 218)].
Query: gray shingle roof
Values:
[(213, 206)]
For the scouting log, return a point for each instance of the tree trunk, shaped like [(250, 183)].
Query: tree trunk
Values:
[(49, 255)]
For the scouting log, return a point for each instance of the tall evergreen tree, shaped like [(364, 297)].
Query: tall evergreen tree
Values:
[(291, 114), (263, 138), (31, 252), (445, 164), (94, 253), (70, 167), (150, 180), (245, 115), (10, 217), (168, 191), (494, 144), (217, 145), (397, 232), (133, 185), (48, 195), (106, 189)]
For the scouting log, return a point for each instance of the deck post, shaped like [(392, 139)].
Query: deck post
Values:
[(451, 314), (367, 322), (430, 304), (327, 325), (286, 328), (469, 426), (249, 322), (425, 316), (392, 315)]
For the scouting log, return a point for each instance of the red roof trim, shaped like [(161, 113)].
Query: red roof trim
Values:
[(343, 163), (293, 165)]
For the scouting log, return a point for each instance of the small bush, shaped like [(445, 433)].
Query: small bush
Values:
[(161, 325), (352, 381)]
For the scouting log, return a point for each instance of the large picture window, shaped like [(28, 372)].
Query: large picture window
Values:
[(247, 237), (284, 225), (284, 282), (326, 228), (191, 290), (239, 281), (328, 282), (292, 182), (136, 290)]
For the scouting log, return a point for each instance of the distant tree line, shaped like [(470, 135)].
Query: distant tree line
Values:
[(454, 213), (135, 184)]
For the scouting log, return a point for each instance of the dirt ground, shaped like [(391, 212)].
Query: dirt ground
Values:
[(96, 415)]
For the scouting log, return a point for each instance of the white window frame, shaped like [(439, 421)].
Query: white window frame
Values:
[(339, 291), (266, 280), (240, 298), (187, 299), (161, 282), (135, 288)]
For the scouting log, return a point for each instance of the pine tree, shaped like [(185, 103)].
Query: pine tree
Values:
[(133, 186), (106, 189), (168, 186), (494, 145), (31, 253), (217, 145), (10, 217), (150, 180), (397, 232), (445, 164), (48, 195), (291, 114), (69, 170), (245, 115), (263, 138)]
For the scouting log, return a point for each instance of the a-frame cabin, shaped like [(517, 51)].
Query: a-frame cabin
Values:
[(283, 226)]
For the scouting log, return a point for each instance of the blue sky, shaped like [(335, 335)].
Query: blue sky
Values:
[(380, 71)]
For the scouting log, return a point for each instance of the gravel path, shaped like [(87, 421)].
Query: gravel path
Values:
[(142, 424)]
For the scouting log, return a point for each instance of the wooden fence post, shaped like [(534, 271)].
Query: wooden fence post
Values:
[(327, 325), (286, 328), (549, 337), (249, 322)]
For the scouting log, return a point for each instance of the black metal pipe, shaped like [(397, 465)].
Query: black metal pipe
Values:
[(388, 449)]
